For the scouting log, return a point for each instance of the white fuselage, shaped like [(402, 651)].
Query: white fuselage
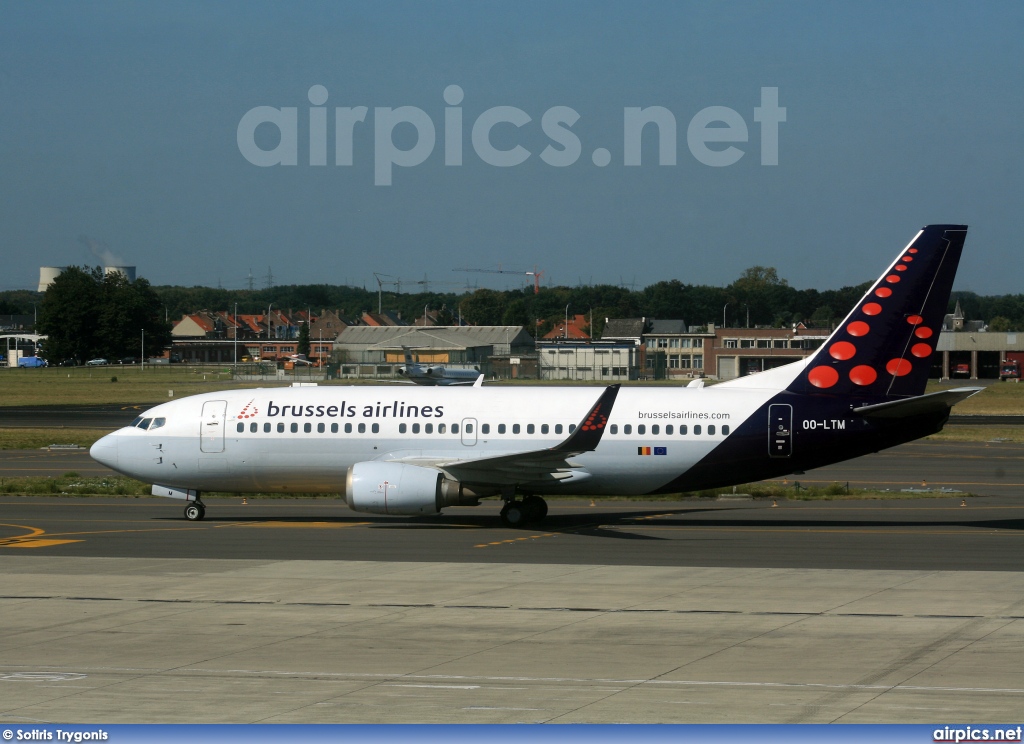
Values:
[(304, 439)]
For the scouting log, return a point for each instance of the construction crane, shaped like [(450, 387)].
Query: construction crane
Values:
[(535, 274)]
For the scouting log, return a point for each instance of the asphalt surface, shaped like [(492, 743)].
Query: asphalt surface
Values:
[(925, 534)]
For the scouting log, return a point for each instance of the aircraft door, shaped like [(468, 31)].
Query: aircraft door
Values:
[(469, 431), (780, 430), (211, 429)]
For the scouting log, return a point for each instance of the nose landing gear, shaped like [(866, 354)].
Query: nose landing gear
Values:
[(195, 511)]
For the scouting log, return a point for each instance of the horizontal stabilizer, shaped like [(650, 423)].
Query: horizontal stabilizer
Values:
[(919, 405)]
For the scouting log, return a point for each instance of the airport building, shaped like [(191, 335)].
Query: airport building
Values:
[(598, 361), (378, 351)]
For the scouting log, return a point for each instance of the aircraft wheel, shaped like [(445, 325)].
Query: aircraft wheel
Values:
[(513, 514), (536, 508), (194, 512)]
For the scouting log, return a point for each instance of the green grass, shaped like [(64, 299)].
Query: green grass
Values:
[(11, 439)]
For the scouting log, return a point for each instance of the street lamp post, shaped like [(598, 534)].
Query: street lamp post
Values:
[(723, 314), (565, 328), (234, 322)]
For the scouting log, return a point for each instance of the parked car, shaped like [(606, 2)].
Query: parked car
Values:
[(129, 360), (96, 363), (70, 363), (32, 361)]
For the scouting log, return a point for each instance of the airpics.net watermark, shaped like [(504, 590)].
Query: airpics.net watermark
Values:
[(707, 132)]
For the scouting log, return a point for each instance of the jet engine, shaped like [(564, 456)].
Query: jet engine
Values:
[(398, 488)]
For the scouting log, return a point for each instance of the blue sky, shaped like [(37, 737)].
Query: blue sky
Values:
[(119, 122)]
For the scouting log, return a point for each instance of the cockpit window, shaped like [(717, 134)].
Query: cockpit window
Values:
[(136, 421), (157, 423), (144, 424)]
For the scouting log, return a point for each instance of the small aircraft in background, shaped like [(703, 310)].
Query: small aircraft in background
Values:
[(436, 374)]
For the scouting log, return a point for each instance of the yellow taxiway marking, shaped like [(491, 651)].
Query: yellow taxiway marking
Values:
[(31, 540), (515, 540), (309, 525)]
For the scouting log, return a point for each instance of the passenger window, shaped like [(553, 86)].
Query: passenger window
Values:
[(641, 429), (572, 428), (558, 428), (362, 428), (240, 428), (711, 429), (682, 430), (469, 428), (696, 429), (530, 429), (307, 428), (515, 428), (428, 428), (655, 429), (544, 429), (627, 429), (294, 428), (441, 428), (614, 429), (375, 428), (280, 428), (455, 428), (725, 430), (266, 428), (415, 428), (157, 423), (334, 428), (254, 427), (484, 428), (668, 429), (501, 428), (321, 428), (402, 428), (348, 428)]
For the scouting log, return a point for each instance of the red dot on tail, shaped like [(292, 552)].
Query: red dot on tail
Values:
[(898, 367), (923, 332), (901, 267), (858, 328), (823, 377), (912, 250), (915, 319), (842, 350), (883, 292), (922, 351), (863, 375), (872, 308), (908, 259), (892, 278)]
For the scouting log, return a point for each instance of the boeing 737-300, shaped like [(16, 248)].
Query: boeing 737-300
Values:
[(425, 448)]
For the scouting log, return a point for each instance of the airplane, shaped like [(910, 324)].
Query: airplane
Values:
[(427, 448), (435, 374)]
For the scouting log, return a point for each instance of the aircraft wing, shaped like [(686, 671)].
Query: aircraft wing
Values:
[(552, 463)]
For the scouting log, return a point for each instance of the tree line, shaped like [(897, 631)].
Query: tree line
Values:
[(87, 313)]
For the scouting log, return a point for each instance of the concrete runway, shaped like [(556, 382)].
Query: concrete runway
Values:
[(111, 640)]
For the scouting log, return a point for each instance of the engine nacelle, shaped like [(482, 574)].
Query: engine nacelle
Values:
[(398, 488)]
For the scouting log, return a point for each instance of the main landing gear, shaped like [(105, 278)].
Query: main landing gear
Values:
[(521, 513), (195, 511)]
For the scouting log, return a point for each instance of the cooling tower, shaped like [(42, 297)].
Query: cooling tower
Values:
[(127, 271), (46, 276)]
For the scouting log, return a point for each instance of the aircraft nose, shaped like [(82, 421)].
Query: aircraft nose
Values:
[(104, 451)]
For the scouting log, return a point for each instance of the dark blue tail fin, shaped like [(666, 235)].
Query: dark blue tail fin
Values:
[(885, 345)]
